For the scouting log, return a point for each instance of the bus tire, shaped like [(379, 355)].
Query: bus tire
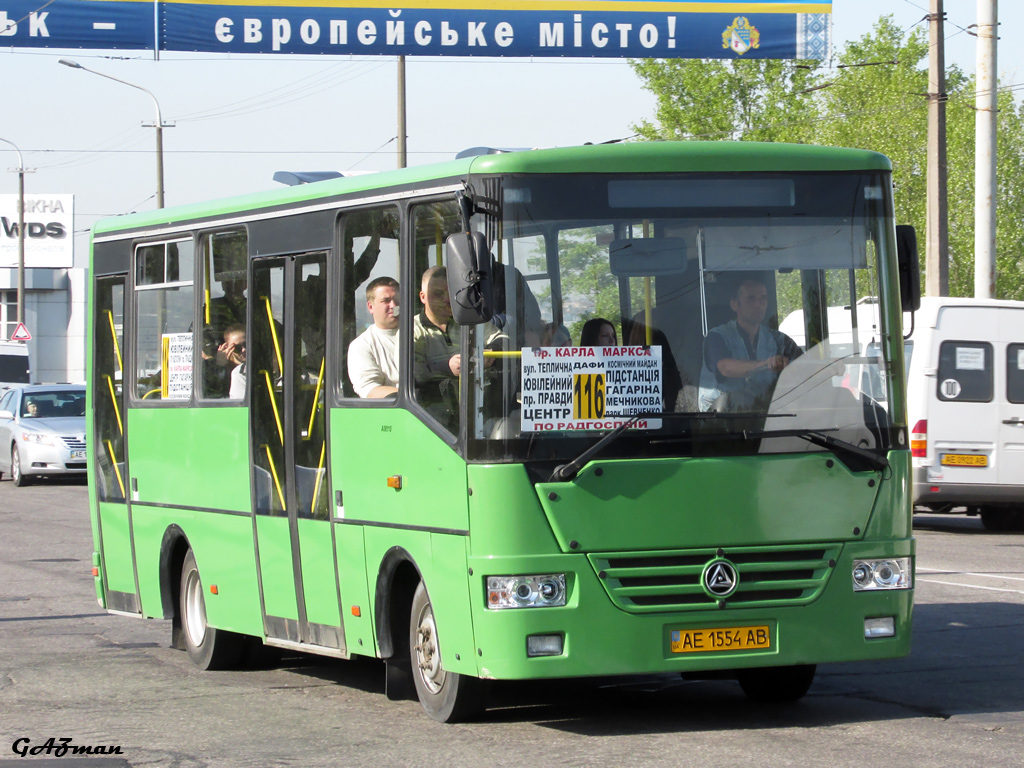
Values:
[(19, 478), (446, 696), (208, 648), (776, 684)]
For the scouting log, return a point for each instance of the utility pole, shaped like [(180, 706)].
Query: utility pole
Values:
[(401, 112), (937, 239), (985, 154), (21, 233)]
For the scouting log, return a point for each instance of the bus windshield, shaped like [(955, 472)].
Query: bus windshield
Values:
[(661, 297)]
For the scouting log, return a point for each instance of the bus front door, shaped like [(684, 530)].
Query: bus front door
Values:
[(285, 376)]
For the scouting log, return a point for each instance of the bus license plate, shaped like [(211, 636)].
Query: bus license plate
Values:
[(964, 460), (720, 639)]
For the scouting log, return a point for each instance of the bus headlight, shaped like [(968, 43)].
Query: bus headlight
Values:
[(540, 591), (890, 573)]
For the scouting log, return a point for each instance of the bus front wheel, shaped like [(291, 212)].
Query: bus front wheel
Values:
[(776, 684), (446, 696), (208, 648)]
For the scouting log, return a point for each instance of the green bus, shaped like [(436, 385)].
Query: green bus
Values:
[(558, 475)]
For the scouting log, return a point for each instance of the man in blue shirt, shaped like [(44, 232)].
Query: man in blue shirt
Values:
[(743, 358)]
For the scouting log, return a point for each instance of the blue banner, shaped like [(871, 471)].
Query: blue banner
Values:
[(537, 28)]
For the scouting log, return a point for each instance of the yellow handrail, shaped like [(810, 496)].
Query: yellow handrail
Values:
[(273, 473), (113, 462), (113, 335), (273, 404), (273, 335), (503, 353), (648, 330), (316, 399), (113, 399), (319, 470), (206, 283)]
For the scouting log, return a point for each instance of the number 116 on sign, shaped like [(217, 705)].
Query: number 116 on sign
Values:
[(588, 396)]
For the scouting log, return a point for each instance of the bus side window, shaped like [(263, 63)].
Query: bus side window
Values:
[(370, 257), (436, 337), (163, 320), (223, 312)]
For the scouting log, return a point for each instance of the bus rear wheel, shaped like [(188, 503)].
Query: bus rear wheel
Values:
[(208, 648), (776, 684), (446, 696)]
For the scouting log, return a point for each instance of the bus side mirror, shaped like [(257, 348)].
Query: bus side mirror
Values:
[(909, 267), (470, 278)]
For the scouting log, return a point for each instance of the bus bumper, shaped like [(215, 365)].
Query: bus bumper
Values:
[(597, 637)]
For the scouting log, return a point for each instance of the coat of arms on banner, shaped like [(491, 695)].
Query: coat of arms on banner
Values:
[(741, 36)]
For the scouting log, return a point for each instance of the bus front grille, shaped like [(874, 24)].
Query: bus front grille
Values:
[(648, 582)]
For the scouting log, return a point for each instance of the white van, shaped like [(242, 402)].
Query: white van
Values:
[(965, 399), (966, 408), (14, 367)]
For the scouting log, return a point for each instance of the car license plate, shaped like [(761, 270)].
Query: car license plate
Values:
[(720, 639), (78, 455), (964, 460)]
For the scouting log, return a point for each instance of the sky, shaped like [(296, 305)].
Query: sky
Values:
[(239, 119)]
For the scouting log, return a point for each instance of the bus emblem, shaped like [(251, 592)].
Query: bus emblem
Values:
[(720, 578)]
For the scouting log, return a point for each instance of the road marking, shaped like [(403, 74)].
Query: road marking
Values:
[(970, 573), (971, 586)]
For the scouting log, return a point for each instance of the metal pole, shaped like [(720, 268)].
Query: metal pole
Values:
[(401, 112), (937, 240), (21, 232), (985, 154), (159, 126)]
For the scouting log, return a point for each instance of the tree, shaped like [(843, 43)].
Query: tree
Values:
[(874, 98), (753, 99)]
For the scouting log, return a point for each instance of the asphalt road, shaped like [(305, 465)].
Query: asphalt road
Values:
[(68, 670)]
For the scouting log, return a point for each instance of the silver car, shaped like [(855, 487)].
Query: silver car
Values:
[(42, 431)]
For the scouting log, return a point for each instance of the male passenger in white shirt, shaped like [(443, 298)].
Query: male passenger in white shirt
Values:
[(373, 354)]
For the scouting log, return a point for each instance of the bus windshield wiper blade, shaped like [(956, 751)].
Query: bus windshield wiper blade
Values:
[(843, 450), (564, 472)]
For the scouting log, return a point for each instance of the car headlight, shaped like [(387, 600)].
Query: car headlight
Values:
[(37, 438), (540, 591), (890, 573)]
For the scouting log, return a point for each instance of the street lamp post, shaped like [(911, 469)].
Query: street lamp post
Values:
[(159, 126), (21, 232)]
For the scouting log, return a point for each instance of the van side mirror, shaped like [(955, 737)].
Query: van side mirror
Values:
[(909, 267), (470, 278)]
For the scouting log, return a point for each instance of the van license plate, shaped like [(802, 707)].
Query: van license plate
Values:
[(964, 460), (720, 639)]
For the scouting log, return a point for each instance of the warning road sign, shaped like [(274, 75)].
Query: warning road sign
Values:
[(21, 333)]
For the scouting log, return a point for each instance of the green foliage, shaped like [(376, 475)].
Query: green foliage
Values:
[(874, 97), (757, 99)]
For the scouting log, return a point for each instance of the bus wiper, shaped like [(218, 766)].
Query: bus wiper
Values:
[(564, 472), (843, 450)]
